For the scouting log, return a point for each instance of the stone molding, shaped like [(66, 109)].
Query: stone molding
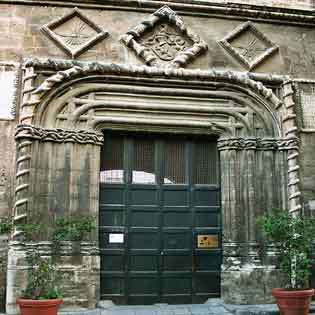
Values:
[(182, 58), (58, 135), (258, 144), (149, 73), (22, 182), (133, 71), (63, 64), (67, 248), (192, 7), (291, 131), (28, 86)]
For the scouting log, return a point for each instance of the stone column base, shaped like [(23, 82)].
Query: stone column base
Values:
[(250, 285)]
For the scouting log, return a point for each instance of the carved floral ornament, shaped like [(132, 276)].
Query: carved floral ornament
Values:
[(162, 39)]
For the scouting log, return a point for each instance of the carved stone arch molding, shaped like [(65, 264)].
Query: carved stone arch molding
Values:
[(59, 142)]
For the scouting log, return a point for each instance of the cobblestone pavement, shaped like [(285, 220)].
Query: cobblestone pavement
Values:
[(211, 307)]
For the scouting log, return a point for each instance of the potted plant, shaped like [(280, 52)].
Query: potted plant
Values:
[(292, 236), (41, 295)]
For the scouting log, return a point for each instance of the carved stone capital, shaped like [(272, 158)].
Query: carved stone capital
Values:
[(238, 144), (58, 135), (258, 144), (291, 143)]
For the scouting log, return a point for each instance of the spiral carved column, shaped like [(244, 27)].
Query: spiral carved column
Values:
[(22, 182)]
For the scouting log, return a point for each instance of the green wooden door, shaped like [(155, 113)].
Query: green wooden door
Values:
[(160, 219)]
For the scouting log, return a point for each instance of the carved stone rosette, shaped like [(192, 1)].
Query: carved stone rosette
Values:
[(74, 32), (248, 45), (162, 39)]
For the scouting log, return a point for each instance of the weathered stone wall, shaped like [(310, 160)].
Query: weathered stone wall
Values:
[(22, 37), (3, 270), (297, 4), (67, 174), (7, 176), (308, 171), (7, 166), (61, 181)]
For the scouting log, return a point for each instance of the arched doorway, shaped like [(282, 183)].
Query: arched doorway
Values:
[(61, 138)]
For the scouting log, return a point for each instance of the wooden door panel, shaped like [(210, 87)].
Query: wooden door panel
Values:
[(155, 206)]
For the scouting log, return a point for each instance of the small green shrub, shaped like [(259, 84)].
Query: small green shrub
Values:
[(30, 231), (73, 228), (43, 275), (43, 278), (5, 225), (293, 237)]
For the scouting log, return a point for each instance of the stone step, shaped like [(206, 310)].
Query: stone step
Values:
[(211, 307)]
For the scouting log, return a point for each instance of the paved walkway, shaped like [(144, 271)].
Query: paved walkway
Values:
[(211, 307)]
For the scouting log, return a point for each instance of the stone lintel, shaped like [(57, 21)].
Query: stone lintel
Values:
[(100, 67)]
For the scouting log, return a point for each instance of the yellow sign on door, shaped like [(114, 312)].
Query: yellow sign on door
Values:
[(208, 241)]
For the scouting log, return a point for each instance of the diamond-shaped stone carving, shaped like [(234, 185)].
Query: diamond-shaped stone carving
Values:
[(74, 32), (162, 39), (248, 45)]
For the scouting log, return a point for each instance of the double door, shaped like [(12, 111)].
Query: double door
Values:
[(160, 219)]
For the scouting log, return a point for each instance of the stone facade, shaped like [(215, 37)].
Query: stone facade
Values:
[(233, 69)]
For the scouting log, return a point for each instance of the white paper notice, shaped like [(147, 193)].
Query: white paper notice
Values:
[(116, 238)]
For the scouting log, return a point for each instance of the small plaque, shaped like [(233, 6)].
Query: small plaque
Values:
[(208, 241), (116, 238)]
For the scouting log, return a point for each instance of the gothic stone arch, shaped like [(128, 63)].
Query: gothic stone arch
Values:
[(59, 141)]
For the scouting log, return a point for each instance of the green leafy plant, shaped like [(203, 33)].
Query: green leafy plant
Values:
[(292, 237), (5, 225), (42, 279), (73, 228), (30, 231), (43, 276)]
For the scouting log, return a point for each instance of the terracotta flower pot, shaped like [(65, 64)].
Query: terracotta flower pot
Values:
[(39, 307), (291, 302)]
